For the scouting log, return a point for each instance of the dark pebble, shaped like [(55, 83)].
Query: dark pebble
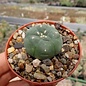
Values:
[(48, 62), (18, 45), (57, 26), (66, 48)]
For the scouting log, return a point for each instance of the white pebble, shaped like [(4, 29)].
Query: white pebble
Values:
[(36, 62), (10, 60), (33, 25), (66, 55), (11, 49), (20, 32), (15, 35), (74, 61), (76, 41), (61, 69), (52, 25), (23, 35), (28, 68), (51, 67), (19, 56)]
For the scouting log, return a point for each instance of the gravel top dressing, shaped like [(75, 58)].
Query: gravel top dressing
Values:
[(48, 69)]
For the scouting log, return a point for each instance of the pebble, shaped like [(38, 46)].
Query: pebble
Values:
[(66, 47), (51, 75), (36, 62), (67, 55), (54, 60), (21, 65), (15, 35), (11, 55), (23, 50), (11, 49), (67, 30), (17, 68), (22, 61), (51, 67), (76, 56), (65, 67), (48, 62), (73, 51), (74, 61), (65, 75), (71, 55), (23, 35), (24, 56), (45, 68), (27, 62), (75, 37), (19, 39), (14, 52), (61, 69), (71, 67), (71, 36), (76, 41), (53, 71), (11, 43), (71, 44), (49, 79), (64, 33), (30, 59), (12, 66), (19, 56), (18, 45), (59, 74), (62, 50), (28, 68), (20, 32), (63, 60), (10, 60), (39, 76), (17, 51), (15, 57)]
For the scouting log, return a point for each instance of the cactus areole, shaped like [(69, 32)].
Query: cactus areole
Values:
[(42, 41)]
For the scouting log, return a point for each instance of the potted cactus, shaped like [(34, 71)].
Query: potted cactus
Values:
[(43, 52)]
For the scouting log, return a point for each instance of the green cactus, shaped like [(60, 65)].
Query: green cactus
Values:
[(43, 41)]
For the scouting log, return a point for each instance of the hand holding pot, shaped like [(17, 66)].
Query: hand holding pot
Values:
[(6, 75)]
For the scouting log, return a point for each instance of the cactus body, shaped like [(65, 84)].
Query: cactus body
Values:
[(42, 41)]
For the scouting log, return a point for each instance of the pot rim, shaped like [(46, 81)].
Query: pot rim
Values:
[(42, 21)]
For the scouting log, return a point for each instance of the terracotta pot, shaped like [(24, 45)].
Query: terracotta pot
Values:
[(53, 83)]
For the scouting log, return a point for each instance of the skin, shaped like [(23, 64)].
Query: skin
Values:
[(6, 75)]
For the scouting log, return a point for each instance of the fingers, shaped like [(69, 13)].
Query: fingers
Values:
[(4, 79), (18, 83), (3, 64)]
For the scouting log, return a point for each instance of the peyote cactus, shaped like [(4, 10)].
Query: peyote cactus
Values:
[(42, 41)]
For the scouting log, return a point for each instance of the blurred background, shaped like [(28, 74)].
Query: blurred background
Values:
[(71, 13)]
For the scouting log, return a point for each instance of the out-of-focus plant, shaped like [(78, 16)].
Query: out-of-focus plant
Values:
[(4, 28), (79, 34)]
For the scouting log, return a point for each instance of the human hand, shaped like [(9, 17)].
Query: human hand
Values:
[(6, 75)]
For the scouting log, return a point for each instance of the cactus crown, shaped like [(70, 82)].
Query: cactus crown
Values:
[(42, 41)]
